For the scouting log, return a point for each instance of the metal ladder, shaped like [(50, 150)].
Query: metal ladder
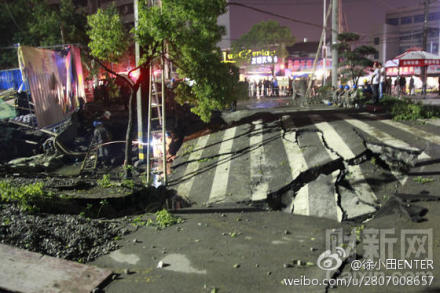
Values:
[(91, 159), (159, 106)]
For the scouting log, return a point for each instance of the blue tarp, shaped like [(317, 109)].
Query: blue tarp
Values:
[(11, 78)]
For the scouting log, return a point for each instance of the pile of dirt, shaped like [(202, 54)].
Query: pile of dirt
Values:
[(71, 237)]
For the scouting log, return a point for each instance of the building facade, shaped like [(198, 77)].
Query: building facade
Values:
[(403, 29)]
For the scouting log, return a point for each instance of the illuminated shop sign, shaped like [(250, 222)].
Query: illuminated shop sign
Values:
[(251, 56), (264, 60)]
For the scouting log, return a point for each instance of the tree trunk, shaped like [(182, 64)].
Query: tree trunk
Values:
[(129, 137)]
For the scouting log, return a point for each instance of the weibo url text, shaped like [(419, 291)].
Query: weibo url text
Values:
[(367, 279)]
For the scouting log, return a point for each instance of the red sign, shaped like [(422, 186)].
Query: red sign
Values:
[(419, 62)]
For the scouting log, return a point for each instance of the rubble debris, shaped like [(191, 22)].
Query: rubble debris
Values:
[(308, 171), (68, 236)]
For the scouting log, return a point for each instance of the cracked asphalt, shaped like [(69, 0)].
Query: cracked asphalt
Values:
[(354, 175)]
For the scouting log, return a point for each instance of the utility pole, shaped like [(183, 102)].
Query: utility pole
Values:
[(139, 102), (425, 41), (335, 29), (324, 47)]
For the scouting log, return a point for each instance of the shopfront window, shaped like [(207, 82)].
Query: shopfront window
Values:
[(406, 20), (393, 21)]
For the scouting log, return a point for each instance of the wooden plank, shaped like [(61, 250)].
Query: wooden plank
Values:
[(25, 271)]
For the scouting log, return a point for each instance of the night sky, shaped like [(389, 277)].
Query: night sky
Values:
[(361, 15)]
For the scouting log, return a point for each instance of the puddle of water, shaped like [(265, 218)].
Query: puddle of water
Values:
[(124, 258), (180, 263)]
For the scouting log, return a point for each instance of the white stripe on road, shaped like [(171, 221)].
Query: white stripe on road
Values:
[(220, 182), (383, 136), (258, 161), (295, 156), (336, 142), (184, 187), (413, 131)]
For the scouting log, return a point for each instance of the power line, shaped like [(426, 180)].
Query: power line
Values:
[(277, 15)]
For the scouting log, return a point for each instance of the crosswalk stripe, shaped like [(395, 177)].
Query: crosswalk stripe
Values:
[(185, 187), (334, 139), (383, 136), (434, 122), (258, 159), (413, 131), (219, 184), (295, 156)]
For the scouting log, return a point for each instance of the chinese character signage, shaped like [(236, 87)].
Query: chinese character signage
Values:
[(251, 56), (419, 62)]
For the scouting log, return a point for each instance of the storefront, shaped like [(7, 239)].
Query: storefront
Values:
[(265, 64)]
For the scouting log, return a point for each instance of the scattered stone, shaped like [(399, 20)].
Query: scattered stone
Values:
[(287, 265), (164, 252), (160, 265), (269, 273), (286, 232), (153, 246), (300, 263), (199, 224), (236, 266), (238, 219), (197, 240), (71, 237), (114, 276), (310, 264), (224, 234), (135, 240), (313, 249), (223, 215), (96, 290), (126, 271), (257, 265)]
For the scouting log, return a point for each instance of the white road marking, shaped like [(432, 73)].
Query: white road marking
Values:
[(220, 182), (184, 187), (413, 131), (383, 136), (258, 161)]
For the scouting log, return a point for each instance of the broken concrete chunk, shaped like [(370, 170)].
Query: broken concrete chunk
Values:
[(395, 157), (318, 198), (352, 205)]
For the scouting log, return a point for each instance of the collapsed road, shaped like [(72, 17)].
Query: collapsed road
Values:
[(344, 169)]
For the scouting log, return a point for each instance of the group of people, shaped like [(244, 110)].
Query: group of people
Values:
[(264, 88), (380, 84), (272, 88)]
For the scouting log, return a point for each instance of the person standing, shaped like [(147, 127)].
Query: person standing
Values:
[(260, 87), (100, 137), (375, 80), (402, 83), (382, 76), (397, 86), (411, 86)]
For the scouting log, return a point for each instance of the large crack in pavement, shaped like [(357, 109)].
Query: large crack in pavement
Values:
[(340, 177), (325, 172)]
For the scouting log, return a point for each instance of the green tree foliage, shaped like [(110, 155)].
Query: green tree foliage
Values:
[(35, 23), (266, 35), (355, 60), (189, 32), (108, 38)]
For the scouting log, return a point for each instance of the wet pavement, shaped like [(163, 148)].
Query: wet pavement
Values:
[(391, 194)]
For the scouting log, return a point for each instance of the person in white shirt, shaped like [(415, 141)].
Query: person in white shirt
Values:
[(382, 76), (375, 79)]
